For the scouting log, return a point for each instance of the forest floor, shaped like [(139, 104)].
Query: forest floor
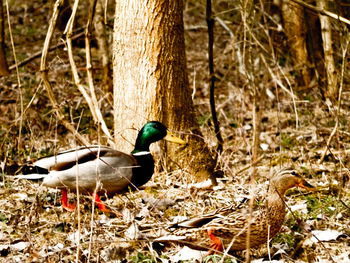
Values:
[(35, 228)]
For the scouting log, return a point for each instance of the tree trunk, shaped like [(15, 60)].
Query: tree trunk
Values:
[(295, 30), (3, 62), (331, 71), (315, 50), (102, 43), (150, 79)]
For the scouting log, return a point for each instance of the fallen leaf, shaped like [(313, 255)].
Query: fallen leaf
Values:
[(324, 235), (132, 232), (158, 202), (301, 207), (74, 237), (20, 245), (264, 146), (187, 253), (20, 196), (201, 185)]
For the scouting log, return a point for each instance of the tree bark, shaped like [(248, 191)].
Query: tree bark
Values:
[(103, 51), (4, 71), (295, 30), (150, 79), (330, 68)]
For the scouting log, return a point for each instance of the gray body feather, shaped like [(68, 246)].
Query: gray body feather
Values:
[(101, 166)]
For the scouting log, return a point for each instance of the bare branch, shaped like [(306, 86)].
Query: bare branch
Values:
[(39, 53), (335, 129), (322, 11), (44, 75), (90, 98), (18, 78), (210, 21)]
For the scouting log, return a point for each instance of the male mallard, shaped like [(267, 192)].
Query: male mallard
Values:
[(227, 228), (100, 169)]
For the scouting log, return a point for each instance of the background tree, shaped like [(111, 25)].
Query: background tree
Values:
[(3, 62), (308, 30), (295, 30), (150, 79)]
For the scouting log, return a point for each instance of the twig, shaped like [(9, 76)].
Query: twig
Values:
[(268, 241), (99, 117), (344, 204), (95, 104), (338, 105), (89, 98), (250, 165), (279, 82), (44, 75), (210, 22), (39, 53), (18, 79), (329, 141), (194, 83), (292, 95), (256, 112), (322, 11), (77, 238), (249, 74), (250, 212)]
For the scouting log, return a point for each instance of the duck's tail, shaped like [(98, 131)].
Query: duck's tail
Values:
[(32, 173), (30, 176)]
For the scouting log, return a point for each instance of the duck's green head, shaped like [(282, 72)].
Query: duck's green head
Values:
[(151, 132)]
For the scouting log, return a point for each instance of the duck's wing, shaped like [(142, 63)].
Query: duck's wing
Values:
[(90, 166), (202, 220), (62, 161), (67, 159), (108, 169), (195, 222)]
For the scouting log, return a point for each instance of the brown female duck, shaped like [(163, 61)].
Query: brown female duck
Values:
[(227, 229)]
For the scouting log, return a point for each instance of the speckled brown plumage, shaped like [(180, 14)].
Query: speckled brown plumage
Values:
[(228, 228)]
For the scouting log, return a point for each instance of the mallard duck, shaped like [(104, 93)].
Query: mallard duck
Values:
[(227, 228), (101, 169)]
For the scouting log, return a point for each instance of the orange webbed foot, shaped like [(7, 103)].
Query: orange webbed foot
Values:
[(217, 244), (99, 203), (65, 204), (69, 207), (102, 206)]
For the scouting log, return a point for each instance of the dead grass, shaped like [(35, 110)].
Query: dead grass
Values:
[(34, 228)]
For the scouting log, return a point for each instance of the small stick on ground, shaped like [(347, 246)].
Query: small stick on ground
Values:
[(210, 22), (335, 129)]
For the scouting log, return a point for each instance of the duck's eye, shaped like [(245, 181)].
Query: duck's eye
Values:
[(295, 173)]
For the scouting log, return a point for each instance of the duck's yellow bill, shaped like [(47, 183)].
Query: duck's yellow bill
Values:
[(171, 138), (306, 185)]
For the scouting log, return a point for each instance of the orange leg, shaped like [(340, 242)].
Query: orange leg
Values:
[(99, 203), (217, 244), (65, 204)]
